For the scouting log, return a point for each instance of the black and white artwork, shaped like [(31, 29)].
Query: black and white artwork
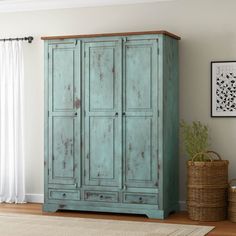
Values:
[(223, 88)]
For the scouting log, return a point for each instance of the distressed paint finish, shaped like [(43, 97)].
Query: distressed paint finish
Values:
[(138, 75), (63, 147), (102, 118), (111, 140), (96, 196), (140, 89), (63, 78), (64, 114), (138, 153), (65, 195), (136, 198)]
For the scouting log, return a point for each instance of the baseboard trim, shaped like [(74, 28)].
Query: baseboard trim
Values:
[(34, 198)]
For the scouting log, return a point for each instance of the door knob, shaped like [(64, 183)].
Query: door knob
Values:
[(116, 113), (76, 113), (123, 113)]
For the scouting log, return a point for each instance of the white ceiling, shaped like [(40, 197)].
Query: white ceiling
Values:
[(31, 5)]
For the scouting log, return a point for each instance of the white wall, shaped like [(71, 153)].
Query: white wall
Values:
[(208, 32)]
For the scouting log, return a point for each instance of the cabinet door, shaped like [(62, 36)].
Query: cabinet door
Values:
[(102, 113), (64, 113), (140, 119)]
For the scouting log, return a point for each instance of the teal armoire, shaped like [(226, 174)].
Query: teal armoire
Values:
[(111, 123)]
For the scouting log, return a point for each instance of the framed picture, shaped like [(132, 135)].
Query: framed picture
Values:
[(223, 89)]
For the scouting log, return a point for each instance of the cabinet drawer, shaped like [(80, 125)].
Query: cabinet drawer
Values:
[(138, 198), (64, 194), (100, 196)]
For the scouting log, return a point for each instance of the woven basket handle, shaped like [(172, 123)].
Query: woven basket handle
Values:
[(202, 153), (232, 181), (216, 154)]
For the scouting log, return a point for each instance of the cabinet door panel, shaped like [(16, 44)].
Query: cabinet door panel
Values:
[(138, 150), (101, 78), (63, 79), (64, 114), (140, 122), (63, 147), (138, 77), (102, 147), (103, 113)]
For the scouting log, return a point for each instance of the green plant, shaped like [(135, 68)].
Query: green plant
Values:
[(196, 139)]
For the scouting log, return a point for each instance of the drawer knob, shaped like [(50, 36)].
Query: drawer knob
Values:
[(140, 199), (101, 197), (64, 194)]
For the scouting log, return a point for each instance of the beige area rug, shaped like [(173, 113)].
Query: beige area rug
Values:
[(32, 225)]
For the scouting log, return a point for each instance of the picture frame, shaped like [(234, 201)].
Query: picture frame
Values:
[(223, 89)]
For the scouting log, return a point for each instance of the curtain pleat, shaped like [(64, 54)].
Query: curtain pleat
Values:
[(12, 177)]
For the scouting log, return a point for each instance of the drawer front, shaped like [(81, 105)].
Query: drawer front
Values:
[(64, 195), (138, 198), (97, 196)]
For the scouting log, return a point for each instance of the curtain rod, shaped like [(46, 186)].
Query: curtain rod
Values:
[(29, 39)]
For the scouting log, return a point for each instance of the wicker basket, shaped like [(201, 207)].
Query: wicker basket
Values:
[(232, 201), (207, 188)]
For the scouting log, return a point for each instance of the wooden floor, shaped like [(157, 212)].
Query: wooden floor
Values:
[(223, 228)]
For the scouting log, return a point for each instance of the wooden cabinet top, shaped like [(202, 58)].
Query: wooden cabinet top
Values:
[(110, 34)]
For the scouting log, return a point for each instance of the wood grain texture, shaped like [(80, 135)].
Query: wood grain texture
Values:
[(222, 228), (110, 35)]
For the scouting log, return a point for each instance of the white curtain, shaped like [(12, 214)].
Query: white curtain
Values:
[(12, 179)]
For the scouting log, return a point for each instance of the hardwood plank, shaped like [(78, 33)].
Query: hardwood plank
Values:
[(110, 34), (223, 228)]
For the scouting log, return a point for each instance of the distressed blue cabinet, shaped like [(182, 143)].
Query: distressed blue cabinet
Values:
[(111, 123)]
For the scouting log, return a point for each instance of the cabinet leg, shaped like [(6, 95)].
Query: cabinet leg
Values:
[(155, 214), (50, 207)]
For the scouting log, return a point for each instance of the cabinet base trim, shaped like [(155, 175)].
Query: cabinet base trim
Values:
[(155, 214)]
